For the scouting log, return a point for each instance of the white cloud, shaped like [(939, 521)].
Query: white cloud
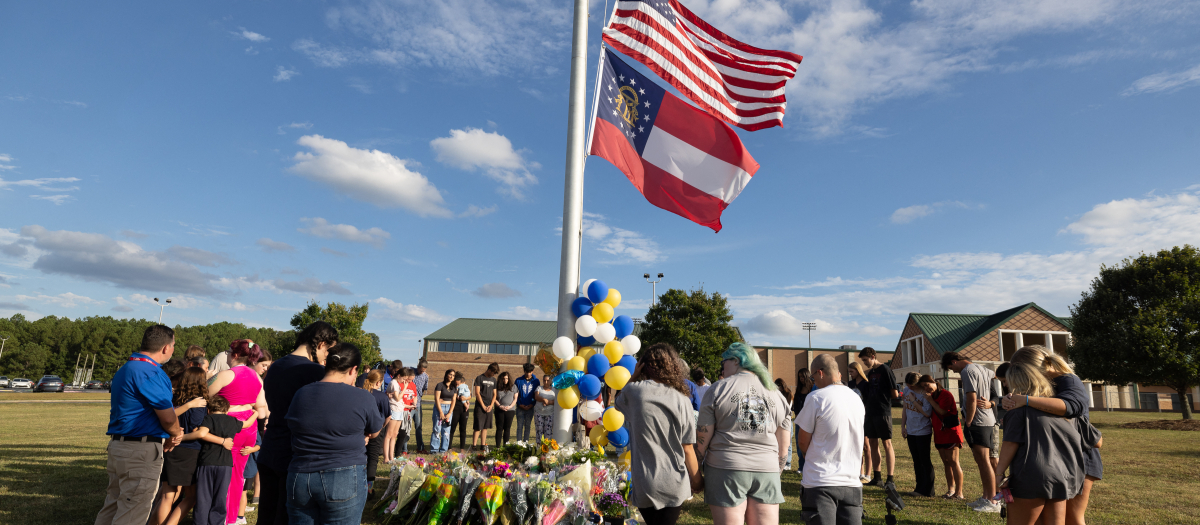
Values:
[(199, 257), (63, 300), (627, 245), (912, 213), (319, 227), (4, 157), (368, 175), (177, 301), (471, 36), (336, 253), (38, 183), (282, 130), (284, 74), (978, 282), (251, 35), (56, 199), (476, 211), (472, 148), (522, 312), (311, 285), (495, 290), (274, 246), (405, 312), (1165, 81)]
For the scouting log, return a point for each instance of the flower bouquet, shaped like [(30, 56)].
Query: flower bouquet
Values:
[(490, 496), (470, 482), (425, 495), (518, 500), (612, 506), (444, 502)]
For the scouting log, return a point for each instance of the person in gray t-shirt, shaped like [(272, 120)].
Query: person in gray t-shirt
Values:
[(977, 423), (662, 433)]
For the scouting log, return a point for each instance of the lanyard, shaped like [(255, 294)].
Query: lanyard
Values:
[(151, 361)]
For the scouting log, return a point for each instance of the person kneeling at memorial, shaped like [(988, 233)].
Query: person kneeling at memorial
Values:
[(831, 437), (742, 436)]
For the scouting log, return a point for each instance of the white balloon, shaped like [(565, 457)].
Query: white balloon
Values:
[(631, 343), (605, 332), (585, 325), (564, 348), (590, 410), (583, 289)]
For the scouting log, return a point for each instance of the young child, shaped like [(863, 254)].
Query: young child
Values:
[(215, 465)]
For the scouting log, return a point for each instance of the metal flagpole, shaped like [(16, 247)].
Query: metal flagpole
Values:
[(572, 232)]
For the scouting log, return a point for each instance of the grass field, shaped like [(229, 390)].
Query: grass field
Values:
[(52, 462)]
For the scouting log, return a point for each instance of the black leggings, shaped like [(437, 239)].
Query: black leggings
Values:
[(272, 503), (374, 450), (504, 419), (459, 420), (664, 516)]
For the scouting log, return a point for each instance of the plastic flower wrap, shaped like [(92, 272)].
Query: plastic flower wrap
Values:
[(470, 483), (444, 503), (425, 494), (518, 499), (490, 496), (407, 487), (539, 494), (580, 479)]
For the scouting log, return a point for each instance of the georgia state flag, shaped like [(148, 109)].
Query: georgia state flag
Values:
[(682, 159)]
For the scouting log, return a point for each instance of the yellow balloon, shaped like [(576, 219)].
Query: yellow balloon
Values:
[(613, 419), (603, 442), (586, 353), (616, 378), (614, 298), (614, 351), (596, 434), (577, 363), (624, 459), (568, 397), (602, 312)]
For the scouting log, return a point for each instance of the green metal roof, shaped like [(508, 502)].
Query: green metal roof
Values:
[(953, 332), (501, 331), (775, 347)]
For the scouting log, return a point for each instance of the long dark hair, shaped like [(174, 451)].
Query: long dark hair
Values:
[(661, 363), (504, 382), (315, 334), (192, 384), (787, 392), (343, 357), (803, 380)]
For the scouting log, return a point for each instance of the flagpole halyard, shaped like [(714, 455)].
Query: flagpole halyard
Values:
[(572, 232)]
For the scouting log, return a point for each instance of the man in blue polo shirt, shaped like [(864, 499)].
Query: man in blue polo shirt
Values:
[(142, 426)]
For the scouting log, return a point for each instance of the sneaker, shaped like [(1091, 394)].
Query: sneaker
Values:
[(240, 521), (989, 507), (250, 509), (981, 501), (864, 479)]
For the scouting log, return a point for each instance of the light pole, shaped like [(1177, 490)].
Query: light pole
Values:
[(161, 307), (2, 341), (809, 327), (653, 287)]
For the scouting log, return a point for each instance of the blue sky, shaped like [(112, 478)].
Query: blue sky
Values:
[(244, 157)]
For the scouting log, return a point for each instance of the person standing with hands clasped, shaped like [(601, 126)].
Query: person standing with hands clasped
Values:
[(831, 436), (443, 409), (978, 423), (878, 393), (741, 440), (485, 404), (142, 426), (527, 387), (917, 429)]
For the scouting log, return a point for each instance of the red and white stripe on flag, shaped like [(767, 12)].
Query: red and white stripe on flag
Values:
[(680, 158), (731, 80)]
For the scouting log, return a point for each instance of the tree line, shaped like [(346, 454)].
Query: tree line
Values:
[(52, 345)]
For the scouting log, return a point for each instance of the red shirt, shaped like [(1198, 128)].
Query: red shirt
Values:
[(408, 395), (945, 437)]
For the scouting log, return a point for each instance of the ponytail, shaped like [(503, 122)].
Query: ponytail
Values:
[(342, 357)]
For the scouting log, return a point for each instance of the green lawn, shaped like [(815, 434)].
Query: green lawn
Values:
[(52, 473)]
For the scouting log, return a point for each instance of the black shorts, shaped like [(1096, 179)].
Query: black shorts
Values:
[(945, 446), (979, 436), (179, 466), (878, 426), (483, 419)]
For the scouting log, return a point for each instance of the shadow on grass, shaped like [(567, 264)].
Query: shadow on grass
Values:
[(48, 484)]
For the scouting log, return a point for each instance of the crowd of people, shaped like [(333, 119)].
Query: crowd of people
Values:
[(304, 433)]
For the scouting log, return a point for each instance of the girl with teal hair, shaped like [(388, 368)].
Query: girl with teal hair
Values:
[(748, 359)]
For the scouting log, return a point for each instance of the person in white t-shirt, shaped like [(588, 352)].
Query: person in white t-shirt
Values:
[(831, 437)]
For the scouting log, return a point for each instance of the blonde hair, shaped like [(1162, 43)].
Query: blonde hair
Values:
[(1026, 380), (858, 368), (374, 378), (1041, 358)]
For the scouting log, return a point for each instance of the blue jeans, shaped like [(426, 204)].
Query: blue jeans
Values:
[(329, 497), (524, 421), (439, 440), (799, 455)]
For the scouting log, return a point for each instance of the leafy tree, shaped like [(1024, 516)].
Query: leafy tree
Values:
[(1140, 323), (348, 322), (695, 323)]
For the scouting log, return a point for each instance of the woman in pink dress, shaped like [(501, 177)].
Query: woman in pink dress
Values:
[(243, 388)]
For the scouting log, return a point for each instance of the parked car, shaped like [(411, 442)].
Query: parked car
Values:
[(50, 384), (4, 382), (21, 382), (94, 385)]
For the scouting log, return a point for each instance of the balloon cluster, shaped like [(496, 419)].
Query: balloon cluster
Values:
[(581, 373)]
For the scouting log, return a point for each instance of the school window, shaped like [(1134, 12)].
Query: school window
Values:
[(503, 349), (452, 347)]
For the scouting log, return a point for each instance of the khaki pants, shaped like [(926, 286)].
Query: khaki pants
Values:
[(133, 470)]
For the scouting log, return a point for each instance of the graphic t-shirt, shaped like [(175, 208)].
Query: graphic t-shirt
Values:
[(408, 395), (525, 390), (545, 410), (878, 388), (487, 389), (222, 426), (744, 416), (917, 423)]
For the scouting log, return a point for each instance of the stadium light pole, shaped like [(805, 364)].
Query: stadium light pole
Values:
[(161, 307), (3, 340), (653, 287), (809, 327)]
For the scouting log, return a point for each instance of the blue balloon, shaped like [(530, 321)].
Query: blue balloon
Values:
[(624, 325), (597, 365), (589, 386), (619, 437), (598, 291), (586, 341), (567, 379), (628, 362), (581, 306)]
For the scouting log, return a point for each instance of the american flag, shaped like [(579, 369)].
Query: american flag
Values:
[(738, 83)]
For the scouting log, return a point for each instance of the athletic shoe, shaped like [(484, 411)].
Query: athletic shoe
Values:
[(250, 509), (864, 479), (990, 507), (240, 521), (981, 501)]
